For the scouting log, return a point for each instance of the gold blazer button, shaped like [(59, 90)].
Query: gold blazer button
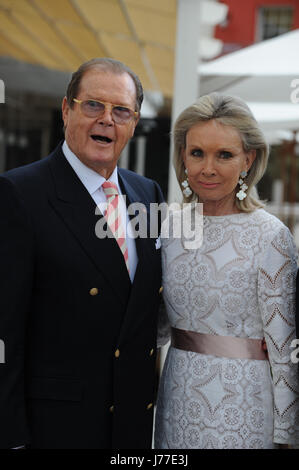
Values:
[(94, 291), (149, 406), (117, 353), (161, 290)]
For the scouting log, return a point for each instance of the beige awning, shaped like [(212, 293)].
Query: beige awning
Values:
[(61, 34)]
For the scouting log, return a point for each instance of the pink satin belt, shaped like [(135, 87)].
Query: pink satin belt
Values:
[(221, 346)]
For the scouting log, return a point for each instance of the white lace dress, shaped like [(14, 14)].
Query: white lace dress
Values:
[(240, 283)]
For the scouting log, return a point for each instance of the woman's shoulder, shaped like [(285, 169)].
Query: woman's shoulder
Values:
[(263, 229), (265, 219), (258, 220), (275, 234)]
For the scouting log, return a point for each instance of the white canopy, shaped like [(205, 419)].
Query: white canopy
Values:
[(261, 72), (277, 120), (276, 116), (276, 137), (271, 115), (272, 57)]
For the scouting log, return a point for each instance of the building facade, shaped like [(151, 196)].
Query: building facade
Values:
[(250, 21)]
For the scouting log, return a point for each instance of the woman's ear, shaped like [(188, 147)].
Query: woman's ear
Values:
[(250, 157)]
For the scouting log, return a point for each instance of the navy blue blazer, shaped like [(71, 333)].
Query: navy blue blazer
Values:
[(80, 338)]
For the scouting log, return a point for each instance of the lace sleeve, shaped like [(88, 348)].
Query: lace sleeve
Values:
[(276, 292)]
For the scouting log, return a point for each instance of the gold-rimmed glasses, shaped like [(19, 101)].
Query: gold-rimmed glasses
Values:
[(95, 108)]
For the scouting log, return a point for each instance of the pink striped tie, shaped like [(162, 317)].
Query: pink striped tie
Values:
[(114, 218)]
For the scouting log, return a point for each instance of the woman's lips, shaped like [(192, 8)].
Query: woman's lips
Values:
[(208, 185)]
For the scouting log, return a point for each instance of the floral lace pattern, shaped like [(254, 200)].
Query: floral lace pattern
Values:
[(241, 282)]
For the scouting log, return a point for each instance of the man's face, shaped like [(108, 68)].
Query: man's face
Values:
[(98, 142)]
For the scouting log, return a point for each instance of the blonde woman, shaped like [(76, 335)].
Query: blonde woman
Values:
[(218, 388)]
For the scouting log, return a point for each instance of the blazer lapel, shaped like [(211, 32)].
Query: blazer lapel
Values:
[(76, 207), (148, 267)]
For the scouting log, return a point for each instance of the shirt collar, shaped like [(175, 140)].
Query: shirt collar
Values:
[(89, 178)]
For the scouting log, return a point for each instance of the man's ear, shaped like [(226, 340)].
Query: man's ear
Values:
[(65, 111), (135, 122), (250, 157)]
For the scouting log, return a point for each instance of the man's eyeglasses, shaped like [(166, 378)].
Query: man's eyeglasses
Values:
[(94, 108)]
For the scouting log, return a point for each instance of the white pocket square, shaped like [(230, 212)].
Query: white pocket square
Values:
[(158, 243)]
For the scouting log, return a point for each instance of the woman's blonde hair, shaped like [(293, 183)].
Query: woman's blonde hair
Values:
[(229, 111)]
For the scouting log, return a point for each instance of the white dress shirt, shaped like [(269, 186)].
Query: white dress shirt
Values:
[(93, 183)]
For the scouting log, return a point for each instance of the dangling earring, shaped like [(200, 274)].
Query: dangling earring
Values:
[(187, 191), (242, 194)]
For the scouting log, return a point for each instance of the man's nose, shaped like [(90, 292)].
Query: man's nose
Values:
[(106, 118)]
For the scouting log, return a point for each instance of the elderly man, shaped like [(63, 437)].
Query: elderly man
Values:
[(78, 310)]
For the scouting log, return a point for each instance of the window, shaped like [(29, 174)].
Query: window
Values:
[(274, 21)]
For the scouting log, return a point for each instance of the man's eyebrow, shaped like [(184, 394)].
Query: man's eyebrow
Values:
[(91, 97)]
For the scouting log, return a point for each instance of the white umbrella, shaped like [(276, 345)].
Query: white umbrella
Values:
[(277, 120), (276, 137), (261, 72), (271, 115)]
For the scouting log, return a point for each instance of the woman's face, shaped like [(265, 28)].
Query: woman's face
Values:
[(214, 158)]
